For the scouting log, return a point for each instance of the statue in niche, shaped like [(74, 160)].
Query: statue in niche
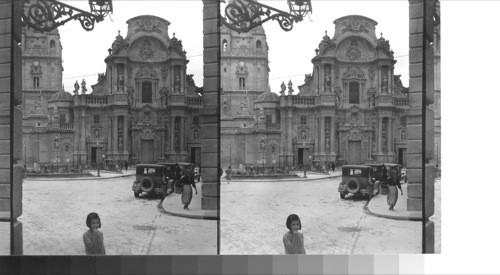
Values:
[(304, 134), (373, 99), (384, 85), (195, 134), (120, 142), (262, 145), (121, 82), (177, 83), (96, 134), (77, 87), (130, 92), (403, 135), (328, 83), (283, 88)]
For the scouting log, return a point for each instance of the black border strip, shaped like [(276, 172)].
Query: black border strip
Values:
[(424, 104), (219, 90)]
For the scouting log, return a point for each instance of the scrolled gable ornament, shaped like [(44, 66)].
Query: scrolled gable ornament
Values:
[(147, 25)]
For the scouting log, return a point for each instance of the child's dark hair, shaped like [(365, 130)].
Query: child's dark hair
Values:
[(290, 219), (92, 216)]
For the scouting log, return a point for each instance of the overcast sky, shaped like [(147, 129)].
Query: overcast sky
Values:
[(290, 53)]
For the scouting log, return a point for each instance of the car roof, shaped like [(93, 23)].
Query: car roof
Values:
[(166, 163), (149, 165), (185, 163), (392, 164), (355, 166)]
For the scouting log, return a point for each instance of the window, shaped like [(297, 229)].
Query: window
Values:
[(258, 44), (242, 82), (36, 82), (96, 119), (403, 121), (303, 120), (66, 148), (224, 69), (353, 93), (224, 45), (52, 43), (273, 149), (147, 92), (196, 120)]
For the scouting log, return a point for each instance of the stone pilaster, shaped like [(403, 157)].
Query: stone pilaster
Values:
[(10, 129), (209, 114)]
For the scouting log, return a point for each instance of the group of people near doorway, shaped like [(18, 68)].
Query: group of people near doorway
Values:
[(392, 181)]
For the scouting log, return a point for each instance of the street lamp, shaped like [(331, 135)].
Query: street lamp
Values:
[(244, 15), (47, 15)]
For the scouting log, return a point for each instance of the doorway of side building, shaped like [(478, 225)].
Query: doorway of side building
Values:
[(147, 151), (93, 155), (195, 155), (354, 152), (402, 156)]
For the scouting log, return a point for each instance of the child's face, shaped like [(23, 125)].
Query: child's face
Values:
[(94, 224), (295, 225)]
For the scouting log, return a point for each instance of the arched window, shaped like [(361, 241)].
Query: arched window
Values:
[(147, 92), (52, 43), (258, 44), (353, 93), (36, 82), (96, 119), (66, 147), (242, 82), (224, 45)]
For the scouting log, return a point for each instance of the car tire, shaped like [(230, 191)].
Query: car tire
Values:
[(136, 194), (353, 186), (342, 196), (146, 185)]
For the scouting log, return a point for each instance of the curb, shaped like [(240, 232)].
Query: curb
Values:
[(288, 180), (86, 178), (189, 216), (367, 210)]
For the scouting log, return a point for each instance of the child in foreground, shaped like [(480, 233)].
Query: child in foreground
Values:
[(293, 240), (93, 239)]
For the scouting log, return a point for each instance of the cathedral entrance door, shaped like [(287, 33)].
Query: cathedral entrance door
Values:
[(147, 151), (355, 152), (93, 155), (402, 156), (301, 156)]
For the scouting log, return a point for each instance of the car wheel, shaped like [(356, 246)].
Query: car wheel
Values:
[(342, 195), (146, 185), (136, 194), (353, 185)]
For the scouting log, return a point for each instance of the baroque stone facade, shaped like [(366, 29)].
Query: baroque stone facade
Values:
[(143, 109), (350, 109)]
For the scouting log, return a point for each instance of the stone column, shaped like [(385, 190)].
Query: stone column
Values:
[(421, 96), (11, 188), (390, 142), (321, 137), (109, 133), (210, 143), (182, 136), (316, 137), (380, 121), (333, 126), (290, 137), (125, 135), (172, 136)]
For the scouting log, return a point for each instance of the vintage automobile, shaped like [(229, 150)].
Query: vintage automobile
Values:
[(172, 173), (356, 180), (377, 170), (150, 179)]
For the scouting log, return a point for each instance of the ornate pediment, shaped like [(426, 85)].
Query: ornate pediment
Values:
[(146, 72), (353, 73), (147, 25)]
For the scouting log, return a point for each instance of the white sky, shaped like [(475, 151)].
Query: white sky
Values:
[(84, 52), (290, 53)]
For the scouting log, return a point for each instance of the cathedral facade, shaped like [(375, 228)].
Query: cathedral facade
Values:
[(143, 109), (350, 109)]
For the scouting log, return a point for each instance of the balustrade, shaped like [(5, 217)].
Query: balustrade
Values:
[(302, 100), (96, 100), (67, 126)]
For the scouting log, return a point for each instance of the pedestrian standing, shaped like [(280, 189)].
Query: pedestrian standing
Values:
[(392, 196), (228, 174), (93, 239), (293, 239), (126, 165), (187, 191), (333, 166)]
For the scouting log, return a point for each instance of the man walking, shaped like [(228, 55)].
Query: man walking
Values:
[(333, 166), (228, 175)]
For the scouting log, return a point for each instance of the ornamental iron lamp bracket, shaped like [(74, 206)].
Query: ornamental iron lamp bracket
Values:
[(244, 15), (47, 15)]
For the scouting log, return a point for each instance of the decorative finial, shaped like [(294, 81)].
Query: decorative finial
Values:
[(174, 34), (326, 32), (381, 34)]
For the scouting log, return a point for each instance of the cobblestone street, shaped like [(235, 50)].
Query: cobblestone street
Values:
[(253, 216), (54, 214)]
